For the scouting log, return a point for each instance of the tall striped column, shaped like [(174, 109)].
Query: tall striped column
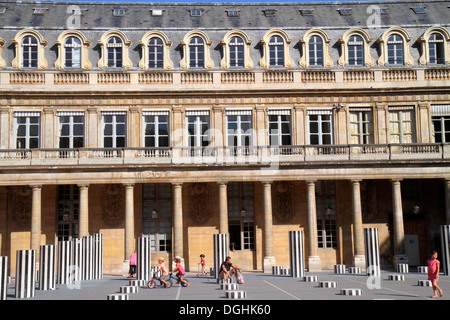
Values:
[(3, 277), (98, 256), (76, 260), (47, 264), (372, 251), (220, 251), (88, 257), (64, 261), (445, 248), (296, 254), (143, 255), (25, 273)]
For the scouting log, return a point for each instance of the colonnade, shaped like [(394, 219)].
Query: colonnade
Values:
[(268, 249)]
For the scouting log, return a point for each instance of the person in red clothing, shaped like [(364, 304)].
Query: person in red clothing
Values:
[(132, 272), (181, 273), (433, 273)]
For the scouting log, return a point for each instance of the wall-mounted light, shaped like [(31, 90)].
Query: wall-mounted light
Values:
[(154, 214), (339, 106), (243, 212), (416, 209)]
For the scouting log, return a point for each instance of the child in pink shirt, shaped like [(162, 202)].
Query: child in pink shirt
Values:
[(433, 273)]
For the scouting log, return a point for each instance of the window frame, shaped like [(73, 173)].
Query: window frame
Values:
[(145, 62), (226, 47), (17, 62), (114, 136), (185, 62), (71, 125), (27, 137)]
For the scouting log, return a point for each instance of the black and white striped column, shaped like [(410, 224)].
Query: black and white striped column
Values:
[(64, 261), (372, 251), (445, 248), (88, 257), (98, 256), (297, 258), (25, 273), (220, 251), (143, 255), (76, 260), (47, 266), (3, 277)]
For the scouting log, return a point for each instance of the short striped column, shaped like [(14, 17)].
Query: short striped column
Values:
[(327, 284), (424, 283), (296, 251), (310, 278), (98, 256), (422, 269), (47, 266), (235, 294), (25, 273), (396, 277), (372, 251), (276, 270), (129, 289), (354, 270), (402, 268), (64, 262), (117, 296), (445, 248), (3, 277), (351, 292), (88, 257), (339, 268), (143, 255), (229, 286), (138, 283), (220, 251)]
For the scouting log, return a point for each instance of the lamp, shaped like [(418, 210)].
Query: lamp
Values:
[(243, 212), (154, 214)]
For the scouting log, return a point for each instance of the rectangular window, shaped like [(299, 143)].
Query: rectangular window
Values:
[(114, 129), (361, 126), (241, 215), (157, 215), (27, 129), (71, 129), (326, 214), (320, 127), (156, 129), (239, 128), (401, 125), (279, 127), (198, 128), (440, 117)]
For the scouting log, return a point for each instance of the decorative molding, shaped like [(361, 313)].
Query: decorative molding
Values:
[(60, 62), (199, 203), (225, 63), (167, 63), (113, 214), (288, 61)]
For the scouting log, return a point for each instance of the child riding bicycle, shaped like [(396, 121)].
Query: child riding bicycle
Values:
[(181, 273)]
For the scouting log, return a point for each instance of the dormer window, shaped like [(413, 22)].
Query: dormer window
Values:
[(196, 13), (345, 11), (118, 12), (419, 10), (40, 11), (270, 12), (157, 12), (233, 13), (306, 12), (79, 12), (2, 10)]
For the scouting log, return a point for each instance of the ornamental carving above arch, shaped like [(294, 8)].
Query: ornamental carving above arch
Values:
[(283, 208), (113, 213), (199, 210)]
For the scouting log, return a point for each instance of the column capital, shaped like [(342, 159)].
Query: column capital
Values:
[(83, 185), (36, 186), (177, 184), (396, 180), (222, 183), (129, 185)]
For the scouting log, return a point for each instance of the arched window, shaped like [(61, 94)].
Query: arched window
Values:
[(276, 51), (436, 48), (395, 50), (72, 49), (275, 46), (236, 52), (196, 48), (155, 53), (355, 51), (29, 52), (196, 53), (115, 52), (315, 47)]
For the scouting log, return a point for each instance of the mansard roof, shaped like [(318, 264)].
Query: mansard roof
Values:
[(99, 15)]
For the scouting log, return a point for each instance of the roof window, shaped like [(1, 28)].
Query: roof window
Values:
[(40, 11), (306, 12), (196, 13), (345, 11), (157, 12), (119, 12), (233, 13), (270, 12), (419, 10), (2, 10)]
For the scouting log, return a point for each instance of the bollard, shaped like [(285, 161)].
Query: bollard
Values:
[(47, 264), (422, 269), (445, 248), (138, 283), (372, 252), (339, 268), (97, 256), (229, 286), (276, 270), (310, 278), (285, 272), (396, 277), (354, 270), (351, 292), (129, 289), (25, 273), (328, 284), (424, 283), (296, 251), (236, 294), (220, 251), (117, 296), (402, 268), (143, 255), (3, 277)]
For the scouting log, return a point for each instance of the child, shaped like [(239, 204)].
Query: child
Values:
[(181, 273), (165, 272), (433, 273), (203, 263), (132, 272)]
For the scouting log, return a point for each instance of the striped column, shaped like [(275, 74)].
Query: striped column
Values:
[(76, 260), (64, 261), (143, 254), (25, 273), (88, 257), (47, 266), (220, 251), (3, 277), (297, 259), (445, 247), (372, 251), (98, 256)]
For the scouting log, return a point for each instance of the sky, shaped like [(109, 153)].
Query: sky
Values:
[(219, 1)]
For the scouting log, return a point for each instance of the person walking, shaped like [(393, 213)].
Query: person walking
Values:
[(433, 273)]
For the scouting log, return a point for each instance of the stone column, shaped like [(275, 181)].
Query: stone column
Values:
[(447, 200), (223, 208), (129, 221), (399, 234), (177, 220), (269, 257), (314, 263), (36, 218), (84, 211), (358, 232)]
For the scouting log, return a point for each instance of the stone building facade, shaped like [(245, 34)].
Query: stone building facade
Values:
[(180, 121)]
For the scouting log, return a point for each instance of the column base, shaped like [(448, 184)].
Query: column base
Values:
[(268, 263), (400, 258), (314, 264), (360, 261)]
